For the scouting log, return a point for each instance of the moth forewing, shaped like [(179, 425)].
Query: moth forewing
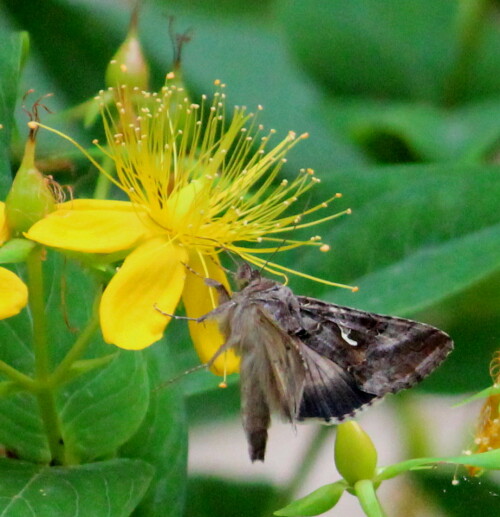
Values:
[(271, 370), (384, 354), (306, 358)]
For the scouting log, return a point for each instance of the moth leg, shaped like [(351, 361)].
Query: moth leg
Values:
[(230, 343), (209, 315), (223, 293), (176, 317)]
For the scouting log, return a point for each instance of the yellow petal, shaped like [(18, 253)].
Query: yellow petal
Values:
[(13, 294), (98, 204), (152, 276), (84, 227), (4, 229), (199, 299)]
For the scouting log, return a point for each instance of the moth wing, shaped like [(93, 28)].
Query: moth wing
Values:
[(330, 392), (383, 354), (280, 368)]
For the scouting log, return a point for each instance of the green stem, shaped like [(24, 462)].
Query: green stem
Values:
[(44, 391), (76, 350), (20, 378), (470, 20), (103, 183), (367, 497)]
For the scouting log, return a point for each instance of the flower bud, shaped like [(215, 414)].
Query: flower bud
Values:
[(30, 197), (355, 454), (128, 66)]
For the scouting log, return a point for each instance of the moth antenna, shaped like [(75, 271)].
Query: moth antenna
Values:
[(175, 316), (180, 376), (283, 242)]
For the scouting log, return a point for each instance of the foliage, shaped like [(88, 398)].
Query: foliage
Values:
[(401, 99)]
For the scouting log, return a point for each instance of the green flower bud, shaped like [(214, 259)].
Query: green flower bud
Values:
[(128, 66), (30, 197), (355, 454)]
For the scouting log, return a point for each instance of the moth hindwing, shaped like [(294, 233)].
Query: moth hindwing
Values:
[(305, 358)]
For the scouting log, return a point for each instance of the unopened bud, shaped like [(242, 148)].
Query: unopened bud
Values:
[(355, 454), (30, 197), (128, 66)]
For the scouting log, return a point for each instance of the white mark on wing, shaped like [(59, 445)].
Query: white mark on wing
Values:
[(346, 338)]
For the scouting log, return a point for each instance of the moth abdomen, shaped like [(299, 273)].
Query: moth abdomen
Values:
[(257, 440)]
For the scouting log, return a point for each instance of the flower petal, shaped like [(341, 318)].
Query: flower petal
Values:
[(199, 299), (4, 229), (152, 275), (97, 204), (13, 294), (91, 227)]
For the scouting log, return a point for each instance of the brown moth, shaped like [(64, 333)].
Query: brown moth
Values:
[(304, 358)]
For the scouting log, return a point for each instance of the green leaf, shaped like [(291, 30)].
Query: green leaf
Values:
[(418, 236), (209, 496), (101, 409), (229, 50), (424, 133), (417, 274), (12, 52), (395, 48), (470, 496), (162, 439), (224, 8), (15, 250), (486, 460), (488, 392), (315, 503), (223, 403), (77, 37), (402, 211), (110, 488)]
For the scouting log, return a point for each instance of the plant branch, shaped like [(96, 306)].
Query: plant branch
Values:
[(41, 383)]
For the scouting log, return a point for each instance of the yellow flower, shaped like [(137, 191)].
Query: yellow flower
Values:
[(13, 291), (487, 436), (197, 186)]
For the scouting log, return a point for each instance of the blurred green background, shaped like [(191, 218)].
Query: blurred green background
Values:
[(402, 102)]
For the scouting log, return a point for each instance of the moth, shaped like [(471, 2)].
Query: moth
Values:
[(308, 359)]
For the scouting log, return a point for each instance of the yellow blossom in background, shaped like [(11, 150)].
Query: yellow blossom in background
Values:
[(198, 185), (13, 291), (487, 436)]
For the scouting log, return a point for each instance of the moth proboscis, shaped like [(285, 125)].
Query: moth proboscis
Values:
[(308, 359)]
